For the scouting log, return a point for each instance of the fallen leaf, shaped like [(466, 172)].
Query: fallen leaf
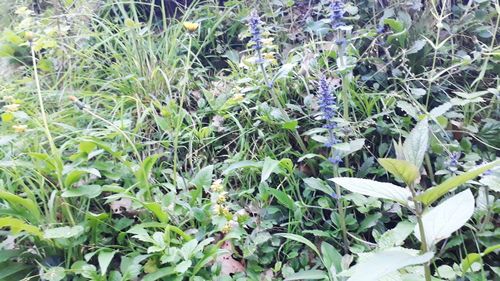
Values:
[(228, 264), (121, 206)]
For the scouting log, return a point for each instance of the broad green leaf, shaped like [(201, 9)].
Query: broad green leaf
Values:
[(104, 258), (145, 169), (203, 177), (375, 189), (56, 273), (350, 147), (242, 164), (475, 257), (9, 270), (17, 225), (312, 274), (332, 259), (63, 232), (268, 168), (157, 210), (396, 236), (434, 193), (401, 169), (163, 272), (383, 263), (318, 184), (31, 206), (449, 216), (89, 191), (283, 198), (183, 266), (300, 239), (416, 143)]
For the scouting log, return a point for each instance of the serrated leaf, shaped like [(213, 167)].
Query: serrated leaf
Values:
[(434, 193), (449, 216), (375, 189), (401, 169), (440, 110)]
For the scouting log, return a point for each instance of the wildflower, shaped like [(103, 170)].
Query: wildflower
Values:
[(454, 157), (269, 57), (12, 107), (267, 41), (191, 26), (237, 98), (217, 186), (222, 197), (254, 24), (327, 106), (220, 210), (337, 13), (19, 128), (336, 159), (227, 228)]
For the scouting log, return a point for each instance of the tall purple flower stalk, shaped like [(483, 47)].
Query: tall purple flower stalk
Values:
[(337, 13), (254, 24), (327, 105)]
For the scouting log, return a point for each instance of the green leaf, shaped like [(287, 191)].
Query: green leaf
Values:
[(475, 257), (63, 232), (449, 216), (332, 259), (163, 272), (144, 171), (380, 264), (375, 189), (268, 168), (283, 198), (290, 125), (396, 236), (8, 270), (157, 210), (89, 191), (401, 169), (17, 225), (13, 199), (318, 184), (56, 273), (242, 164), (183, 266), (104, 258), (203, 177), (300, 239), (312, 274), (416, 143), (434, 193)]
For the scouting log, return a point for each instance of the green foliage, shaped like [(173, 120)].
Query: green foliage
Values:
[(135, 148)]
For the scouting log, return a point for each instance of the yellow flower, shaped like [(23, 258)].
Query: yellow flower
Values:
[(11, 107), (267, 41), (191, 26), (222, 197), (19, 128), (237, 98), (217, 186), (227, 228)]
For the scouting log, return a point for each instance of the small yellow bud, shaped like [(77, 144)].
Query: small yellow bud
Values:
[(20, 128), (191, 26), (11, 107), (29, 36), (222, 198), (217, 186), (227, 228)]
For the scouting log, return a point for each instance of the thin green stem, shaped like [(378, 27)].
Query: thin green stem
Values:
[(341, 210), (424, 248)]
